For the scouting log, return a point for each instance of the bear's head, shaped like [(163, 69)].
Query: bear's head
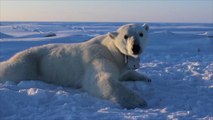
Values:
[(130, 39)]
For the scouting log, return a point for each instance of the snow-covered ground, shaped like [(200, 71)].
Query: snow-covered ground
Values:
[(178, 59)]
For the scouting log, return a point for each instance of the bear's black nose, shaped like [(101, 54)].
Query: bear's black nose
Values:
[(136, 49)]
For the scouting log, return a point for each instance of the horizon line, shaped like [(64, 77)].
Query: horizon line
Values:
[(104, 21)]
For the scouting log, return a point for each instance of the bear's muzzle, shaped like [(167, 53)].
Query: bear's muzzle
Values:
[(136, 49)]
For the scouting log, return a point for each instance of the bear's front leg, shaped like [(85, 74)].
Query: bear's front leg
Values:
[(101, 79), (132, 75)]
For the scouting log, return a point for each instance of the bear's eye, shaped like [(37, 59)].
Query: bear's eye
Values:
[(126, 36), (141, 34)]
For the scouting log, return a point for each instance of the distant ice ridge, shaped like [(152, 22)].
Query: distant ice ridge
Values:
[(27, 28), (188, 33)]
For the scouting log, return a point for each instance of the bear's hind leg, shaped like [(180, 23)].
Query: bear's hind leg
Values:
[(22, 66)]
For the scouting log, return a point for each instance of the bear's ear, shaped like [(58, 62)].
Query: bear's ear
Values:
[(113, 35), (146, 27)]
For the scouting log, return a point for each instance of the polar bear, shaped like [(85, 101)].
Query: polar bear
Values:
[(97, 66)]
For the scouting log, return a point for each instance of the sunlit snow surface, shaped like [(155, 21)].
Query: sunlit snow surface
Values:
[(178, 59)]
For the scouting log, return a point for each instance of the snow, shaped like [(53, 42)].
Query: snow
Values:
[(178, 59)]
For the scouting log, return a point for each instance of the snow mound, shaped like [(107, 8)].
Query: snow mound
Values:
[(40, 35), (3, 35), (209, 34)]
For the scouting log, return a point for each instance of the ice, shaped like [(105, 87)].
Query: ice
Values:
[(178, 59)]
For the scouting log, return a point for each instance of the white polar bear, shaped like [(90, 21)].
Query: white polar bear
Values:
[(97, 66)]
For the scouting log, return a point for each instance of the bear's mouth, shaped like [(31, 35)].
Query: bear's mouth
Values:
[(136, 49)]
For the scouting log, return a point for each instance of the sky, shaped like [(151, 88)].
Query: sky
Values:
[(192, 11)]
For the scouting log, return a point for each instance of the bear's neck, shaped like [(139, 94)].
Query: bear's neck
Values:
[(116, 54)]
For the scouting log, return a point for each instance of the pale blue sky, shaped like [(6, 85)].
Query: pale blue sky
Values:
[(200, 11)]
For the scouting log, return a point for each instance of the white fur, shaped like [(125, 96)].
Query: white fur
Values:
[(97, 66)]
